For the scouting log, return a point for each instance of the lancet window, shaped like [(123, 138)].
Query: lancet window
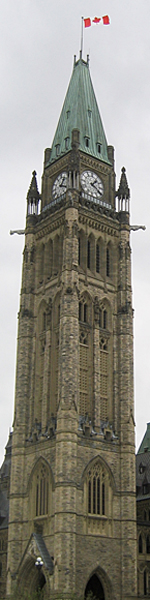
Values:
[(105, 349), (42, 491), (83, 374), (104, 377), (99, 491), (85, 345)]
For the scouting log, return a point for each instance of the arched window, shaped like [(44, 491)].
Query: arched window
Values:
[(83, 311), (86, 349), (140, 544), (145, 515), (148, 544), (88, 254), (40, 263), (98, 494), (0, 569), (83, 387), (96, 491), (104, 366), (56, 255), (103, 318), (42, 492), (48, 260)]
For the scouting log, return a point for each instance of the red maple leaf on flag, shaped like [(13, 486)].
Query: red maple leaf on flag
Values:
[(96, 19)]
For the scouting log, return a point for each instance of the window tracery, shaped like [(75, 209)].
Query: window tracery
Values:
[(42, 491), (96, 490), (85, 347), (99, 499)]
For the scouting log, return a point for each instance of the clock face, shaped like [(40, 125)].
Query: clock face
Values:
[(60, 185), (92, 184)]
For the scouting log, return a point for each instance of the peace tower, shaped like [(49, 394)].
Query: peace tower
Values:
[(72, 493)]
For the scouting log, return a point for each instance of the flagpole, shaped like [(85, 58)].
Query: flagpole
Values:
[(82, 18)]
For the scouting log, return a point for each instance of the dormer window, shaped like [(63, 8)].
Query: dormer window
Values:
[(89, 113), (57, 149), (68, 114), (141, 468), (66, 143), (99, 148), (87, 142)]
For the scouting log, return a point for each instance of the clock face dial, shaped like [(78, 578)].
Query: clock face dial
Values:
[(60, 185), (92, 184)]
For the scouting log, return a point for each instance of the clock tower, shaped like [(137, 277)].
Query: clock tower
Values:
[(72, 520)]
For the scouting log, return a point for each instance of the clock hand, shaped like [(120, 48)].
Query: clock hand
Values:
[(62, 184)]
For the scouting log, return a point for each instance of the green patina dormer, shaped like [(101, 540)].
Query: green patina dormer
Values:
[(80, 111)]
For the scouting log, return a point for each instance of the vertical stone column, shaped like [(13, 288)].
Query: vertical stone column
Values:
[(67, 417), (22, 396), (127, 445)]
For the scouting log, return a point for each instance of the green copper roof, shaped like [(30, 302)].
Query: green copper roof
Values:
[(80, 111), (145, 444)]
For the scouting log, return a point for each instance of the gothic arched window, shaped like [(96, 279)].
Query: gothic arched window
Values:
[(98, 495), (83, 403), (105, 365), (97, 258), (42, 491)]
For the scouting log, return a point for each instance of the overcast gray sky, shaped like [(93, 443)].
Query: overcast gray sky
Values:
[(38, 39)]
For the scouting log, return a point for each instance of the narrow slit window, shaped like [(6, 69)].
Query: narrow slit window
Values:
[(85, 313), (80, 311), (97, 258), (88, 254), (108, 263), (79, 251)]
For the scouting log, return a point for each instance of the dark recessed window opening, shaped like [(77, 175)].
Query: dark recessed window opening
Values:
[(68, 114), (97, 259), (89, 112), (87, 142), (88, 254), (85, 313), (99, 148), (66, 143), (105, 319), (108, 263), (140, 544), (80, 311), (57, 149), (79, 251)]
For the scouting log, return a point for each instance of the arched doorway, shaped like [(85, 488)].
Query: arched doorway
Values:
[(94, 589)]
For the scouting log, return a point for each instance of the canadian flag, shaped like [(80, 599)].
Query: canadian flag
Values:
[(91, 21)]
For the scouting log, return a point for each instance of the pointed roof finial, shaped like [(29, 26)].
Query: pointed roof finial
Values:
[(33, 191), (123, 191)]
